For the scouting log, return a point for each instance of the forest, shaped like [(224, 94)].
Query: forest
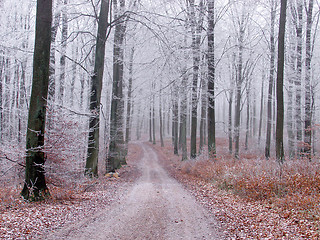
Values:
[(225, 90)]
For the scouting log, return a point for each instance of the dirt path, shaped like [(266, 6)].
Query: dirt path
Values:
[(156, 207)]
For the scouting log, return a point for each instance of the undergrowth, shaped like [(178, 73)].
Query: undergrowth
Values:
[(292, 187)]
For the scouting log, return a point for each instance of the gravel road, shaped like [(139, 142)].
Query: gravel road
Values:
[(155, 207)]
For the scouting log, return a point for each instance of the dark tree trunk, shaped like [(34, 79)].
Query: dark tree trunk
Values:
[(254, 114), (153, 118), (35, 187), (183, 114), (196, 29), (239, 80), (261, 110), (175, 121), (150, 124), (230, 122), (129, 101), (91, 168), (54, 31), (299, 75), (203, 117), (6, 104), (308, 103), (2, 63), (161, 119), (211, 80), (74, 75), (271, 79), (291, 72), (248, 117), (117, 154), (280, 107), (64, 37)]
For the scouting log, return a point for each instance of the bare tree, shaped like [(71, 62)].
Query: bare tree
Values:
[(211, 81), (308, 97), (280, 106), (35, 187), (271, 77), (96, 87), (116, 152)]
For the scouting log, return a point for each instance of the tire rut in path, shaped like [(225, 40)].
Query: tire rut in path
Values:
[(156, 207)]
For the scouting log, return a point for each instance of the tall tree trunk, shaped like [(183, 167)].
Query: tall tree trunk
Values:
[(248, 117), (82, 83), (254, 114), (138, 122), (175, 120), (160, 117), (22, 97), (271, 78), (2, 64), (239, 80), (196, 29), (183, 114), (116, 155), (91, 168), (299, 75), (74, 74), (150, 124), (280, 107), (7, 83), (291, 72), (52, 68), (203, 113), (64, 37), (308, 105), (35, 187), (230, 120), (261, 110), (14, 100), (211, 81), (129, 97), (230, 101), (153, 118)]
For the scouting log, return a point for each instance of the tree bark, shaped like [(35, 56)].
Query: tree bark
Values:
[(239, 80), (150, 124), (299, 75), (116, 155), (160, 117), (308, 103), (129, 97), (248, 117), (35, 187), (64, 37), (54, 31), (271, 78), (153, 118), (175, 120), (183, 114), (196, 29), (211, 81), (91, 168), (261, 110), (74, 74), (291, 72), (280, 106), (203, 117)]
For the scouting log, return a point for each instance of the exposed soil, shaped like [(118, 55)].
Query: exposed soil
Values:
[(155, 206)]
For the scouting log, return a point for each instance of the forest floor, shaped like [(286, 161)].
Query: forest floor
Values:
[(242, 194), (156, 197)]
